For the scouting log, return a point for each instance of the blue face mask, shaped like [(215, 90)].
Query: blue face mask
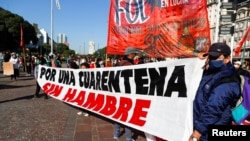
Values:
[(215, 64)]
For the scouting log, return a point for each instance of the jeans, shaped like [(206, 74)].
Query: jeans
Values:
[(128, 132)]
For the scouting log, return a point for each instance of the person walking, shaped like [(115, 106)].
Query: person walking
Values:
[(84, 65), (128, 59), (240, 70), (39, 61), (15, 61), (214, 100)]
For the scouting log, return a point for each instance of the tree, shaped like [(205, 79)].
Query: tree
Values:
[(100, 53), (66, 53), (60, 48), (10, 31)]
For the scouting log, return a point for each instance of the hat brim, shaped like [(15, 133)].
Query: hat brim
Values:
[(134, 51), (214, 54)]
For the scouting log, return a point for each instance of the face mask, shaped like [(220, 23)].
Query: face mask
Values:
[(237, 66), (101, 62), (215, 64)]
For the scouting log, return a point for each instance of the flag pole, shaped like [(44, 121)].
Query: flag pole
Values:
[(23, 47), (51, 27), (24, 59)]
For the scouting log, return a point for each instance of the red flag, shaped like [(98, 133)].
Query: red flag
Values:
[(245, 37), (160, 29), (21, 34)]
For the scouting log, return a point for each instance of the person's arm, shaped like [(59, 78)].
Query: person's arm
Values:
[(195, 136)]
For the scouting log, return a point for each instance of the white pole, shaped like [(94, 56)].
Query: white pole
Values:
[(217, 22), (84, 48), (231, 46), (51, 27)]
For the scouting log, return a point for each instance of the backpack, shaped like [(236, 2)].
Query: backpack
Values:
[(241, 110)]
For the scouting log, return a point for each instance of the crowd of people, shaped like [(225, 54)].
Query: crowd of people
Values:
[(212, 104)]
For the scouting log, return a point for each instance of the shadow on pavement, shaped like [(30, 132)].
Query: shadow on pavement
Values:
[(19, 98), (3, 86)]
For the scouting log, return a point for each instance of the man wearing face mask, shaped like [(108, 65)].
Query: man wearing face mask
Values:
[(214, 100), (15, 61), (240, 70)]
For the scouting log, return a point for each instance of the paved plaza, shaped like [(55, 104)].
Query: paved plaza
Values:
[(23, 118)]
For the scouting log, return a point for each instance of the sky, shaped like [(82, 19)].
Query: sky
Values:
[(81, 20)]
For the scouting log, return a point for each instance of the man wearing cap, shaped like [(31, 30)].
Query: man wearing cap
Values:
[(240, 70), (128, 59), (130, 54), (213, 101)]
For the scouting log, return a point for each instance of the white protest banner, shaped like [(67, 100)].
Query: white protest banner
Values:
[(156, 98)]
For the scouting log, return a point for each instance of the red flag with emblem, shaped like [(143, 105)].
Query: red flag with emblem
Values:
[(159, 27)]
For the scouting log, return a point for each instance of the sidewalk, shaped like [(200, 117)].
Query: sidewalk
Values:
[(25, 119)]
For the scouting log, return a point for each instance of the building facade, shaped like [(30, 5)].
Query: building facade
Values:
[(91, 47), (228, 21), (62, 38)]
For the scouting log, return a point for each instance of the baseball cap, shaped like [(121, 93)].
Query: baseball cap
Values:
[(130, 50), (218, 49)]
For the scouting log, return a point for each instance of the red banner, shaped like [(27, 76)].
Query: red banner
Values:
[(245, 37), (162, 28), (21, 34)]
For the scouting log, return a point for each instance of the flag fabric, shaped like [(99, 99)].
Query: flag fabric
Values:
[(58, 4), (245, 37), (160, 28), (21, 36)]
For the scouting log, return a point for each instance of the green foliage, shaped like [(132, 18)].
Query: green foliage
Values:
[(68, 52), (10, 34), (100, 53), (45, 48), (60, 48)]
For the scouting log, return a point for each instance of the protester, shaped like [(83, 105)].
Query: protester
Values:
[(1, 60), (92, 63), (7, 56), (128, 59), (59, 60), (21, 64), (55, 62), (48, 60), (15, 61), (68, 61), (214, 100), (84, 65), (240, 70), (99, 63), (39, 61), (73, 64), (108, 62)]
